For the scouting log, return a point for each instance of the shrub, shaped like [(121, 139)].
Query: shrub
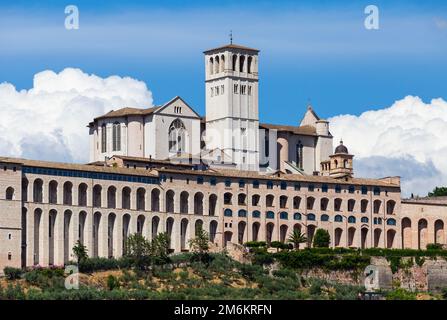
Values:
[(400, 294), (12, 273), (112, 282), (434, 246), (255, 244), (322, 239)]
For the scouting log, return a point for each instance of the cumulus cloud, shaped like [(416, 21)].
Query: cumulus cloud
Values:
[(48, 121), (406, 139)]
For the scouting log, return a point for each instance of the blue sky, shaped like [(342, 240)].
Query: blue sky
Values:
[(317, 50)]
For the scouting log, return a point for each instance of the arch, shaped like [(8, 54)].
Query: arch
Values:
[(184, 234), (269, 232), (110, 234), (228, 213), (283, 215), (68, 243), (363, 237), (377, 237), (37, 191), (363, 205), (222, 63), (198, 226), (377, 204), (297, 227), (97, 190), (234, 62), (125, 232), (390, 236), (324, 218), (337, 204), (177, 136), (364, 220), (324, 202), (155, 200), (296, 202), (141, 224), (390, 206), (211, 66), (249, 64), (297, 216), (68, 193), (25, 189), (37, 234), (241, 63), (228, 198), (351, 219), (9, 193), (242, 213), (169, 227), (51, 237), (283, 233), (311, 217), (310, 234), (351, 236), (256, 214), (241, 199), (154, 226), (391, 222), (52, 192), (82, 195), (213, 230), (255, 231), (116, 136), (338, 218), (125, 200), (283, 202), (212, 203), (310, 203), (338, 233), (198, 203), (169, 201), (422, 234), (111, 197), (255, 200), (228, 235), (269, 200), (141, 199), (241, 231), (184, 199), (351, 205), (216, 64), (270, 215), (95, 231), (439, 232), (81, 226)]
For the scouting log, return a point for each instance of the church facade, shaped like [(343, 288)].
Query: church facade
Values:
[(168, 169)]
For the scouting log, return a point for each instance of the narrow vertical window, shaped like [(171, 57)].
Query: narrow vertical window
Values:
[(299, 155), (103, 138), (116, 136)]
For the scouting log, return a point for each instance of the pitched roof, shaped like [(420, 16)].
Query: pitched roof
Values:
[(231, 46), (127, 111)]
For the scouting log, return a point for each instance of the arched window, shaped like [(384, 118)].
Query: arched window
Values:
[(211, 65), (283, 202), (222, 63), (103, 138), (364, 220), (249, 63), (337, 188), (283, 216), (311, 217), (177, 137), (227, 197), (351, 219), (351, 189), (234, 62), (376, 191), (270, 215), (338, 218), (364, 190), (269, 185), (324, 217), (241, 63), (297, 216), (217, 64), (10, 193), (228, 213), (256, 214), (242, 213), (391, 222), (269, 200), (255, 200), (116, 136)]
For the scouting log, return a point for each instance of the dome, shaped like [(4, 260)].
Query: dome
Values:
[(341, 148)]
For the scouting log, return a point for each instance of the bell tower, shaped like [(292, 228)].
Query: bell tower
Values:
[(231, 90)]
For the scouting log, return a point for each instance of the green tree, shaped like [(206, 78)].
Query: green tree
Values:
[(200, 245), (159, 248), (322, 239), (296, 238), (80, 252), (138, 249), (438, 192)]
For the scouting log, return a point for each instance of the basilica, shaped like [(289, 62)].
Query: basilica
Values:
[(169, 169)]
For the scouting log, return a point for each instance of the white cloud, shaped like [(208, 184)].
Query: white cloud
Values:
[(49, 120), (406, 139)]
